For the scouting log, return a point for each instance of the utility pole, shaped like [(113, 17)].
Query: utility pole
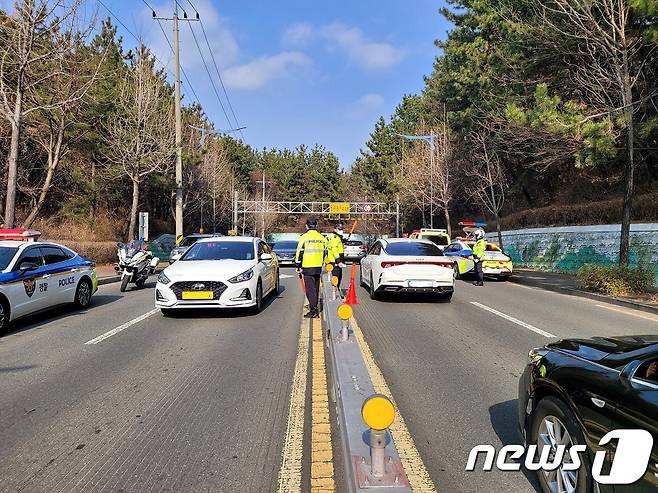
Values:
[(262, 219), (178, 116), (179, 128)]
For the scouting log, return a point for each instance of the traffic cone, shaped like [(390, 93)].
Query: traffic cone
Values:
[(351, 291)]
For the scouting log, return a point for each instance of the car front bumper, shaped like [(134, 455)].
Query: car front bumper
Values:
[(232, 297)]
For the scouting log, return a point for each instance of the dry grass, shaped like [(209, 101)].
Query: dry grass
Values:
[(105, 226), (645, 209)]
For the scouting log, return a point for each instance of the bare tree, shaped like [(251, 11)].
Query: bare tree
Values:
[(34, 39), (611, 59), (220, 178), (140, 135), (425, 180), (488, 181)]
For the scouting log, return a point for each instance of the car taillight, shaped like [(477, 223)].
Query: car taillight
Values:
[(386, 264)]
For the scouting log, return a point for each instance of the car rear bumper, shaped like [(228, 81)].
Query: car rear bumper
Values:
[(392, 288)]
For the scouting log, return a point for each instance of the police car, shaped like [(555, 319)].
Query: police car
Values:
[(37, 275)]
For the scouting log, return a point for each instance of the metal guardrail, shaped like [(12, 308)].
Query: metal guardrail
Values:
[(350, 386)]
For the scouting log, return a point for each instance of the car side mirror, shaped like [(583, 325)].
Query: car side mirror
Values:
[(628, 371), (27, 267), (265, 256)]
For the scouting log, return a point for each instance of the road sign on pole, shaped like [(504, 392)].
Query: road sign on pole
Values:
[(144, 226)]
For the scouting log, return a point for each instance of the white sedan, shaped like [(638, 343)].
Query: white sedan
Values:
[(219, 272), (407, 266)]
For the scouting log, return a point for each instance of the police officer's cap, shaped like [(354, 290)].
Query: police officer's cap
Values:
[(312, 222)]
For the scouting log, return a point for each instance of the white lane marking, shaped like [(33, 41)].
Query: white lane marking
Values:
[(646, 316), (122, 327), (286, 276), (514, 320)]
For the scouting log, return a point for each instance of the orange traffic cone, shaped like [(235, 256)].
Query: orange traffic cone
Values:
[(351, 292)]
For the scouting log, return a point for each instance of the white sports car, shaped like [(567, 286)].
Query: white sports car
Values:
[(219, 272), (407, 265)]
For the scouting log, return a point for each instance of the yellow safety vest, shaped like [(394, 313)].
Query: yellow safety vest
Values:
[(479, 248), (311, 249), (336, 246)]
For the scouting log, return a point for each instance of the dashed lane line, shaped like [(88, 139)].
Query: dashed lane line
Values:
[(415, 469), (645, 316), (122, 327), (290, 474), (322, 466), (514, 320)]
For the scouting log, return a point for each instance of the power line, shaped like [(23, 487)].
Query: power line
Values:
[(187, 80), (219, 75), (221, 81), (166, 66), (212, 82)]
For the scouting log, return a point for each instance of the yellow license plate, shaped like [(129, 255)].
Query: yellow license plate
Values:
[(197, 295)]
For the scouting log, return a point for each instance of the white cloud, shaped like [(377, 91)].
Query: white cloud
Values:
[(371, 101), (350, 40), (258, 72), (298, 34)]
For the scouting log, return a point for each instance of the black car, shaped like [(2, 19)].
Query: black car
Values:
[(285, 251), (575, 391)]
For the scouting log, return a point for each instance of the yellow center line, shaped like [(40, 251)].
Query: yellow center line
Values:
[(322, 466), (290, 474), (645, 316), (417, 474)]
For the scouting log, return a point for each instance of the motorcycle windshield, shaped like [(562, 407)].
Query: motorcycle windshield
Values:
[(132, 247)]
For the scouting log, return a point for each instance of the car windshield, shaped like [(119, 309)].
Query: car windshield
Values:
[(220, 250), (441, 240), (189, 241), (6, 254), (413, 248), (284, 245)]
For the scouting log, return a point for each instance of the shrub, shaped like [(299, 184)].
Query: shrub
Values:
[(101, 252), (614, 280)]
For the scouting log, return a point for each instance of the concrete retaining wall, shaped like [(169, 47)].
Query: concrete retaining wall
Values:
[(566, 249)]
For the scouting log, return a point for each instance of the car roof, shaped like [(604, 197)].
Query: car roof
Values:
[(13, 243), (229, 238), (408, 240)]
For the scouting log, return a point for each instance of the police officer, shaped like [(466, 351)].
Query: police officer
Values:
[(310, 257), (337, 249), (479, 248)]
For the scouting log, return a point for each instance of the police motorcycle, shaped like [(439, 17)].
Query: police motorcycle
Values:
[(136, 263)]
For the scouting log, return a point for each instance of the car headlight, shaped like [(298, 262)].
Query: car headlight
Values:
[(245, 276), (163, 279)]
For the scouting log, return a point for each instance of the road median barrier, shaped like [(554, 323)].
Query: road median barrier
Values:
[(370, 459)]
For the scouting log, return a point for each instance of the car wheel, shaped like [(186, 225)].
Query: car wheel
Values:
[(124, 283), (373, 293), (258, 307), (4, 315), (455, 269), (554, 424), (83, 294)]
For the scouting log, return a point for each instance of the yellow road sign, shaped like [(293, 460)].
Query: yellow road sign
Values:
[(339, 208), (179, 239)]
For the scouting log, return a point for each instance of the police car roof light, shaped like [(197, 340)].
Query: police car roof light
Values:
[(20, 234), (476, 224)]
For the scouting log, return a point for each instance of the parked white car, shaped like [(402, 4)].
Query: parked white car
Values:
[(407, 266), (219, 272)]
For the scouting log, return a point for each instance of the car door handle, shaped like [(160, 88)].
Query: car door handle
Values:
[(45, 276), (598, 402)]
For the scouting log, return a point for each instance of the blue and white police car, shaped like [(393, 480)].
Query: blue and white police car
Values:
[(37, 275)]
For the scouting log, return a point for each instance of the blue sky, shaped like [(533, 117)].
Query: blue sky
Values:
[(301, 71)]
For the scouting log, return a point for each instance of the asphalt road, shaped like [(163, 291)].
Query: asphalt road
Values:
[(200, 402), (453, 368), (196, 403)]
